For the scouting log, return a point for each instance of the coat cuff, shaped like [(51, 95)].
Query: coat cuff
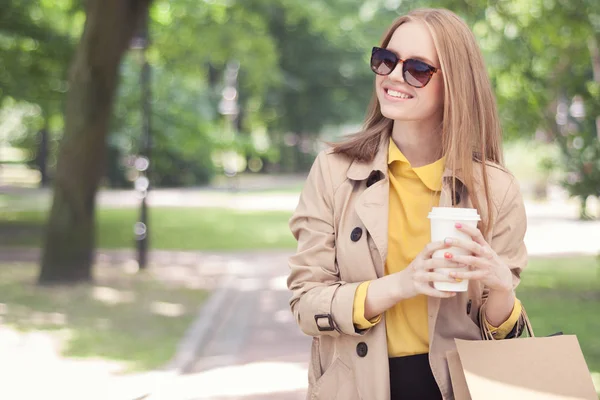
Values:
[(358, 314), (342, 308), (502, 331)]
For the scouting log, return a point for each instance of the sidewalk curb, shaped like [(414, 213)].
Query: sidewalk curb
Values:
[(195, 338), (198, 334)]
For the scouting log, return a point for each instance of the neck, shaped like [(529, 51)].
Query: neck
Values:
[(419, 141)]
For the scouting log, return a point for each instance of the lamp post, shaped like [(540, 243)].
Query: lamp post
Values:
[(142, 161), (229, 108)]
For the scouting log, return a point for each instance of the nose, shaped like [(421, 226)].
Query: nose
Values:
[(396, 74)]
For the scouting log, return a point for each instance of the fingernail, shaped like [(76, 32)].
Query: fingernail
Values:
[(448, 241), (458, 279), (448, 255), (458, 225)]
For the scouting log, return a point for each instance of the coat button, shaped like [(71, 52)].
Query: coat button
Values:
[(356, 234), (373, 178), (362, 349)]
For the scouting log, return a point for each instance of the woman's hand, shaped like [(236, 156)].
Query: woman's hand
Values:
[(418, 277), (415, 279), (485, 265)]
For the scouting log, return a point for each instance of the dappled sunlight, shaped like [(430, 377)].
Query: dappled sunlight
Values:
[(279, 283), (112, 296), (167, 309), (38, 354), (131, 267), (121, 318), (38, 318), (284, 316)]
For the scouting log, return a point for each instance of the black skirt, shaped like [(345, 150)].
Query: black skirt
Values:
[(411, 379)]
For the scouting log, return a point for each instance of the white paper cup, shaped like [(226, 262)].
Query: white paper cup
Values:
[(443, 220)]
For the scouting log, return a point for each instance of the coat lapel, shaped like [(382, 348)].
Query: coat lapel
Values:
[(373, 203)]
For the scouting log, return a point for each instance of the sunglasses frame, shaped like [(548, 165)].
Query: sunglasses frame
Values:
[(432, 69)]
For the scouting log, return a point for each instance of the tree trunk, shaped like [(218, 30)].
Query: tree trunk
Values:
[(70, 235)]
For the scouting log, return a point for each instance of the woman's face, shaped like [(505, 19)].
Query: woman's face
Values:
[(411, 40)]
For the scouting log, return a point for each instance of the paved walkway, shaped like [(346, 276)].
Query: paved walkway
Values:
[(254, 349)]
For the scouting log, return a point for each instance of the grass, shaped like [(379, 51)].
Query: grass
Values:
[(563, 294), (135, 319), (170, 229)]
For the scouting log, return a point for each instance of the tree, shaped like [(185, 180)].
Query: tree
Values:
[(547, 74), (70, 235)]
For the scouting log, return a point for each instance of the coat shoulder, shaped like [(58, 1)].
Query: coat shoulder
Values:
[(503, 183), (337, 164)]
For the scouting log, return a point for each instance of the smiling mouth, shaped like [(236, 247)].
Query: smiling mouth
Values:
[(398, 95)]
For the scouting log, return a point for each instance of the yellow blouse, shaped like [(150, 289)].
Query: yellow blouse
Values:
[(413, 191)]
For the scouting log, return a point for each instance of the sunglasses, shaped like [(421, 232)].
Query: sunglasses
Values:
[(415, 72)]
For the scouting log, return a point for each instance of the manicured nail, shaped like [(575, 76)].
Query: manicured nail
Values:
[(448, 255), (458, 225), (458, 279), (448, 241)]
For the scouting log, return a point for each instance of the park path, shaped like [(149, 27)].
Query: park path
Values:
[(255, 350)]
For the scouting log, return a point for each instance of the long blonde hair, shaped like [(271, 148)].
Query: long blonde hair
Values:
[(470, 114)]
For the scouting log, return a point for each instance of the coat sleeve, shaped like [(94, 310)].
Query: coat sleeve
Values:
[(508, 241), (322, 304)]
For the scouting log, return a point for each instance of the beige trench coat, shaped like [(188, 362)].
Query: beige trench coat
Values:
[(339, 196)]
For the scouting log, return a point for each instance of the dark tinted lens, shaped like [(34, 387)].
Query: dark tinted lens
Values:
[(383, 61), (416, 73)]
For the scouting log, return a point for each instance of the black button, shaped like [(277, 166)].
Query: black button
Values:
[(362, 349), (356, 234), (373, 178)]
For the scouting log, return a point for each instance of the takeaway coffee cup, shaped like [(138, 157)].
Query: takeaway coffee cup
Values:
[(443, 220)]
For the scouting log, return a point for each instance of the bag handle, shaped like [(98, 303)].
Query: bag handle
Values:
[(523, 319), (527, 322)]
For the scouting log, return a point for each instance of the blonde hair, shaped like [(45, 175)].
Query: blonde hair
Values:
[(470, 114)]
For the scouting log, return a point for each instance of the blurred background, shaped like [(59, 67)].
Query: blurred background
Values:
[(152, 152)]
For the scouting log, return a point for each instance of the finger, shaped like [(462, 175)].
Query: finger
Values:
[(432, 248), (472, 231), (434, 277), (473, 261), (471, 275), (469, 245), (435, 263), (432, 292)]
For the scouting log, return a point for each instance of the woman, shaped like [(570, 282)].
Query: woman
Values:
[(362, 275)]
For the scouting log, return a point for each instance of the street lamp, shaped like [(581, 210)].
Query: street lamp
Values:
[(229, 108), (142, 161)]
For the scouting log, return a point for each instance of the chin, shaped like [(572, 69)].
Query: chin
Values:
[(394, 113)]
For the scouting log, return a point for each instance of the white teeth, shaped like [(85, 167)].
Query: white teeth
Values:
[(401, 95)]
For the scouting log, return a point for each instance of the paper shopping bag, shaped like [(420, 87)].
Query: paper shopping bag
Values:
[(544, 368)]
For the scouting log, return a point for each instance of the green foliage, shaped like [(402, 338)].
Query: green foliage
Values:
[(182, 132), (303, 66), (542, 65)]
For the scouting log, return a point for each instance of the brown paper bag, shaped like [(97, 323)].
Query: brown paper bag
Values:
[(532, 368)]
